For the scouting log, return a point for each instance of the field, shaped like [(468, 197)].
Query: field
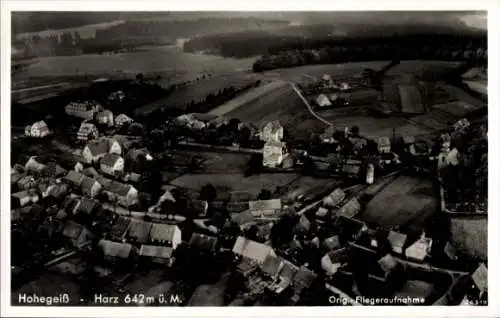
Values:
[(235, 181), (198, 90), (411, 101), (209, 295), (375, 127), (406, 201), (216, 162), (418, 68), (281, 104), (457, 109), (170, 63), (247, 98), (470, 236)]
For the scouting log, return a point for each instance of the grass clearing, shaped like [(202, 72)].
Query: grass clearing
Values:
[(406, 201), (411, 100), (235, 181), (470, 236)]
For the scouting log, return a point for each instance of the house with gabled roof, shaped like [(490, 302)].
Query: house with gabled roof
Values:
[(90, 187), (105, 117), (112, 163), (114, 251), (26, 182), (95, 150), (384, 144), (34, 166), (23, 198), (124, 194), (334, 198), (77, 233), (138, 230), (165, 234), (157, 254), (252, 250), (272, 266), (86, 132), (350, 209), (420, 249), (74, 178), (272, 131), (119, 228), (480, 279), (122, 119), (397, 241), (39, 129), (204, 243)]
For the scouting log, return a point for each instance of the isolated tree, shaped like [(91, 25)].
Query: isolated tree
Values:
[(265, 194), (208, 193)]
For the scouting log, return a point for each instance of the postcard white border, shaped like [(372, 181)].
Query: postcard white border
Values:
[(257, 5)]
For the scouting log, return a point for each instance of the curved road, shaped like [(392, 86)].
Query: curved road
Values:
[(309, 106)]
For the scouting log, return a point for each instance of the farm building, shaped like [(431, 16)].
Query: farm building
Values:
[(122, 119), (272, 132), (84, 110), (112, 163), (105, 117), (138, 230), (322, 101), (87, 132), (39, 129), (252, 250), (95, 150)]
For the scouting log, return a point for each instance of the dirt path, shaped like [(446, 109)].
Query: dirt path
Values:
[(309, 106)]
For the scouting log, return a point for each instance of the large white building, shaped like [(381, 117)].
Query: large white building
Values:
[(84, 110), (39, 129), (95, 150)]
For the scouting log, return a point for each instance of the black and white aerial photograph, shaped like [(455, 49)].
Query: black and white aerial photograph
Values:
[(245, 158)]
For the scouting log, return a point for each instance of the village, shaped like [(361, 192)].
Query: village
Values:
[(205, 199)]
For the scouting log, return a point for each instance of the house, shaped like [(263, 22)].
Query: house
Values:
[(53, 170), (58, 191), (105, 117), (388, 264), (264, 207), (119, 228), (332, 243), (384, 145), (303, 226), (87, 132), (303, 279), (332, 261), (15, 176), (122, 119), (165, 234), (74, 178), (26, 182), (157, 254), (352, 227), (420, 249), (323, 101), (84, 110), (45, 188), (90, 187), (112, 163), (273, 153), (397, 241), (124, 194), (252, 250), (272, 131), (77, 233), (203, 243), (138, 230), (39, 129), (32, 165), (114, 251), (272, 266), (86, 206), (23, 198), (352, 168), (95, 150), (350, 209), (90, 172), (334, 199), (480, 280)]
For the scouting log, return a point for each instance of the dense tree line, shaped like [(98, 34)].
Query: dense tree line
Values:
[(403, 47)]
